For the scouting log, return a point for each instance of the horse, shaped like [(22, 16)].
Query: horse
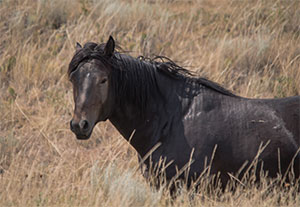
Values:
[(162, 108)]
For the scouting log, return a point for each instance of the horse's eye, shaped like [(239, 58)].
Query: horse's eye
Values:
[(103, 81)]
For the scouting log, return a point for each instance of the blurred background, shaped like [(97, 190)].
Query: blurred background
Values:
[(249, 47)]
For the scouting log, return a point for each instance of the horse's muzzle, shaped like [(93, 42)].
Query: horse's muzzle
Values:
[(81, 129)]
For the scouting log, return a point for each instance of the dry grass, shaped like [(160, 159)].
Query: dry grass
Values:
[(251, 47)]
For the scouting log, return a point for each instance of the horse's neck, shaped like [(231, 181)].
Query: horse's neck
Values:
[(134, 126), (146, 125), (126, 119)]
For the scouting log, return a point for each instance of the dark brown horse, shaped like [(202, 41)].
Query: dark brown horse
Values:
[(188, 116)]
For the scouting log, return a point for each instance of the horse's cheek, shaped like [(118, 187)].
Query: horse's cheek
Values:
[(103, 94)]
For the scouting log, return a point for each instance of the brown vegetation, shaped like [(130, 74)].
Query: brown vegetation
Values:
[(250, 47)]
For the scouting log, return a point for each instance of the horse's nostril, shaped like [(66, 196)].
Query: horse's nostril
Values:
[(84, 124)]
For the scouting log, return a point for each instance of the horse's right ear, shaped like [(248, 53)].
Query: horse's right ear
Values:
[(78, 46)]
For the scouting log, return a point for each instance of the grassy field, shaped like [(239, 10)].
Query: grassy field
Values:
[(250, 47)]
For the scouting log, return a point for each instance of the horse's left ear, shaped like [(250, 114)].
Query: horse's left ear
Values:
[(109, 47), (78, 47)]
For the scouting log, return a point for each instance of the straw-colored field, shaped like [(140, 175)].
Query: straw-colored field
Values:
[(250, 47)]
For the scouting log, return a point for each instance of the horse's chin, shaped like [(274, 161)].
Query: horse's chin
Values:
[(84, 136)]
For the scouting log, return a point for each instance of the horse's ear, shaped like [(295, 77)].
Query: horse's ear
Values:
[(78, 46), (109, 47)]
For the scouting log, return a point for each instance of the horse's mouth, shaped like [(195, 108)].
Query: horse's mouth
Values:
[(83, 136)]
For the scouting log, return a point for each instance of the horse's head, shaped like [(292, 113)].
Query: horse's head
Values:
[(91, 83)]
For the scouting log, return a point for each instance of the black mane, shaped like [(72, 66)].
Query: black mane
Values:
[(135, 77)]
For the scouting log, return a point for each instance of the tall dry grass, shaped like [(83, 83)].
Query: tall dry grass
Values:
[(250, 47)]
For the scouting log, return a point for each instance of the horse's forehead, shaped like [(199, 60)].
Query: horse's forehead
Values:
[(93, 66), (101, 67), (85, 67)]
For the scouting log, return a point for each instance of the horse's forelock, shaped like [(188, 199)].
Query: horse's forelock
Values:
[(88, 49)]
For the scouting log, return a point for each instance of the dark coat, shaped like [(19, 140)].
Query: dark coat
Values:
[(187, 119)]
